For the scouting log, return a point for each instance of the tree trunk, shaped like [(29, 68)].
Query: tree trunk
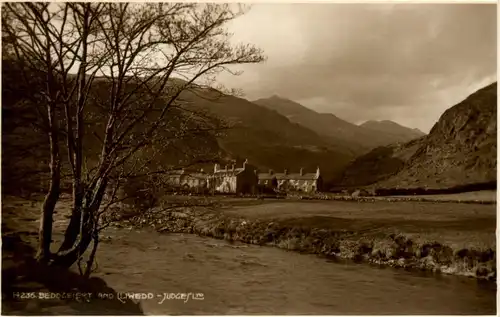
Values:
[(70, 256), (49, 204), (45, 231), (73, 229), (90, 262), (66, 258)]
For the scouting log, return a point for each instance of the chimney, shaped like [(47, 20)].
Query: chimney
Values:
[(317, 172), (245, 164), (286, 172), (271, 172), (301, 172), (225, 168), (216, 167), (232, 168)]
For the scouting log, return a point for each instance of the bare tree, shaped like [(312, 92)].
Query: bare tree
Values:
[(130, 64)]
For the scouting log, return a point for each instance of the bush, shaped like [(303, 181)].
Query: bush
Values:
[(141, 194)]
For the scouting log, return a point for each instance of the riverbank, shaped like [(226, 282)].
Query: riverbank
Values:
[(367, 238), (485, 197), (32, 288), (264, 279), (438, 237)]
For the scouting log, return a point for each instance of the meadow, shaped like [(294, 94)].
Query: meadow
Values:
[(454, 224)]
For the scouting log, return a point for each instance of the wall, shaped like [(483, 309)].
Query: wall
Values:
[(235, 181), (188, 181), (223, 183), (304, 185), (247, 181)]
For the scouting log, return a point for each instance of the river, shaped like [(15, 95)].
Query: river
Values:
[(247, 279)]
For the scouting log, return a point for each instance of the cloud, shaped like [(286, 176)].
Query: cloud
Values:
[(403, 62)]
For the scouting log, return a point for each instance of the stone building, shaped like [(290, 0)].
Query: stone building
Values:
[(188, 180), (242, 180), (299, 182)]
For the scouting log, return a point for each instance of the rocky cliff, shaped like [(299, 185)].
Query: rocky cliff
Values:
[(459, 150)]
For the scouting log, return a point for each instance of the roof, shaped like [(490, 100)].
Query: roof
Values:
[(292, 176), (229, 172), (191, 173)]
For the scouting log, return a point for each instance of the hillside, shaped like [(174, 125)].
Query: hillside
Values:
[(396, 131), (359, 139), (378, 164), (268, 139), (459, 150), (264, 137)]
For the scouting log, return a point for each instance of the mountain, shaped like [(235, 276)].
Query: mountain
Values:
[(459, 150), (268, 139), (358, 139), (378, 164), (396, 131), (263, 136)]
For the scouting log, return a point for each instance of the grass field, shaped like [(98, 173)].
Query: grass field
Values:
[(454, 224), (482, 195), (457, 225)]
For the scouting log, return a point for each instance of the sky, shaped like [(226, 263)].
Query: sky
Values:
[(402, 62)]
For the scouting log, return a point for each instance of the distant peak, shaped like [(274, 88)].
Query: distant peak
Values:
[(273, 97), (329, 114), (380, 122), (390, 126)]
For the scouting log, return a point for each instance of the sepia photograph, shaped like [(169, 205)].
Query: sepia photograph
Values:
[(266, 158)]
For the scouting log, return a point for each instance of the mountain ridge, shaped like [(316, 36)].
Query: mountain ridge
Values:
[(358, 139), (397, 131), (459, 150), (270, 140), (263, 136), (389, 122)]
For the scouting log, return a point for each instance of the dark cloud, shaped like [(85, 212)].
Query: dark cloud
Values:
[(405, 62)]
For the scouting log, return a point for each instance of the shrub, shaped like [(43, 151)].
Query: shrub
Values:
[(140, 194)]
